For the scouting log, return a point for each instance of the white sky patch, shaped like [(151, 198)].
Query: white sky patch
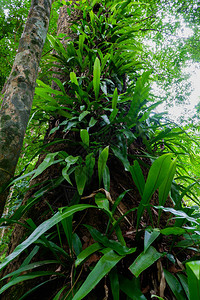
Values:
[(6, 11), (185, 110), (177, 110)]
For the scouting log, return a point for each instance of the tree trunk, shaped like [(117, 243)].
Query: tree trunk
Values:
[(19, 92)]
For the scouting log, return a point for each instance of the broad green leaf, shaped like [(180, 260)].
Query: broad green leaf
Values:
[(116, 246), (102, 162), (53, 247), (83, 115), (87, 252), (101, 201), (92, 122), (131, 288), (96, 77), (184, 281), (150, 237), (80, 177), (175, 286), (193, 272), (89, 166), (114, 282), (178, 213), (77, 245), (47, 89), (103, 267), (173, 230), (106, 178), (60, 85), (156, 176), (81, 42), (144, 260), (67, 226), (114, 99), (73, 78), (166, 185), (118, 200), (28, 276), (70, 160), (113, 114), (66, 175), (84, 137), (137, 176), (123, 157), (29, 267), (47, 162), (42, 228), (57, 296)]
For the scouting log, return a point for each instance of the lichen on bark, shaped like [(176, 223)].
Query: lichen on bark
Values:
[(19, 91)]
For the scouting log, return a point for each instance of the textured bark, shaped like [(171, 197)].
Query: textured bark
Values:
[(19, 93)]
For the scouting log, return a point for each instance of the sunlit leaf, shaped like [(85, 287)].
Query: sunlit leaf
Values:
[(104, 266), (156, 176), (149, 237), (96, 77), (193, 272), (84, 137), (144, 260)]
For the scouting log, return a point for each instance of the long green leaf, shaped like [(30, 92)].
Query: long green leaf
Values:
[(42, 228), (80, 177), (47, 162), (175, 286), (150, 237), (102, 162), (131, 288), (144, 260), (114, 99), (29, 276), (114, 282), (104, 265), (30, 267), (156, 176), (166, 185), (116, 246), (96, 77), (87, 252), (184, 281), (84, 137), (138, 177), (73, 78), (193, 272)]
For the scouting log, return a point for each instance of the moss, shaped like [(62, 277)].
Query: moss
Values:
[(14, 73), (27, 73), (5, 118)]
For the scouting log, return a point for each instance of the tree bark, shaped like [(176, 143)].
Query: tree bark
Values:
[(19, 92)]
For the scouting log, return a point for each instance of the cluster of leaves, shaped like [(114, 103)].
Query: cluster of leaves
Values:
[(186, 224), (106, 103)]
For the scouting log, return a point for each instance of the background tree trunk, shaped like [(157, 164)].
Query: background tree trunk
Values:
[(19, 91)]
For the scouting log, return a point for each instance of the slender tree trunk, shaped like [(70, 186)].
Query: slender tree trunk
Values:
[(19, 92)]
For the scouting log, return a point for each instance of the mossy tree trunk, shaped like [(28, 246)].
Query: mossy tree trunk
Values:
[(19, 91)]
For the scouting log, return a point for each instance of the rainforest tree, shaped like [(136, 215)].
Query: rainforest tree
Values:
[(19, 91), (103, 217)]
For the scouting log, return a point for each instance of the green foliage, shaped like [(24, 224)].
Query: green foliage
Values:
[(102, 108)]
